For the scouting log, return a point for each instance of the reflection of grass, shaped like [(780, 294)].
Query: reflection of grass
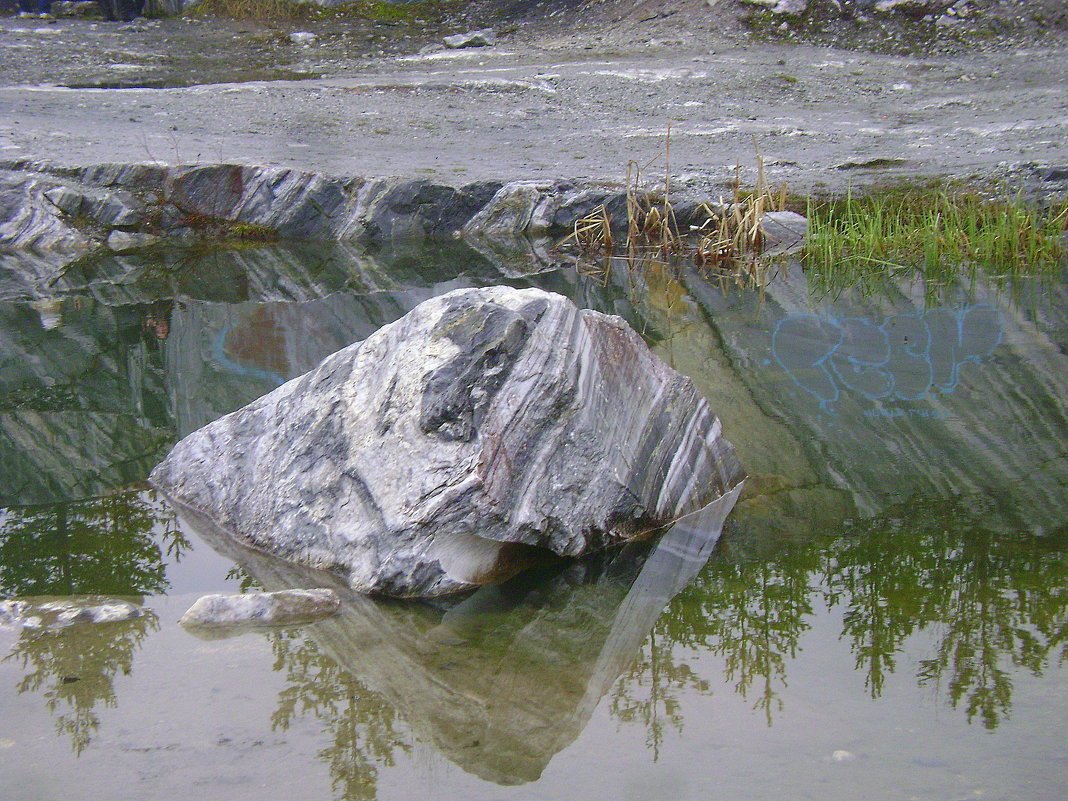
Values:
[(935, 233)]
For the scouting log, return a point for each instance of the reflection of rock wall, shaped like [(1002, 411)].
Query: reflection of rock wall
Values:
[(892, 398), (81, 401), (508, 677), (87, 401)]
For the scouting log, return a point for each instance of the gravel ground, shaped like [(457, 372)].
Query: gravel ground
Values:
[(563, 94)]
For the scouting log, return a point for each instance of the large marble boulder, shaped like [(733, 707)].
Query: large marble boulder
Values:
[(482, 432)]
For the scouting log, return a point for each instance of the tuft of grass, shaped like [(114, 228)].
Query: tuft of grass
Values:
[(291, 10), (259, 10), (937, 233), (252, 232)]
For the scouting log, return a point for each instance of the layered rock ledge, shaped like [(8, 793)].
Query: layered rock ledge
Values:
[(72, 210), (482, 432)]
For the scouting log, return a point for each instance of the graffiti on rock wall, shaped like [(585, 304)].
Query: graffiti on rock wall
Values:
[(905, 357)]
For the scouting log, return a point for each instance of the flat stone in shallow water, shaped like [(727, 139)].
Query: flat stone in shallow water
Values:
[(63, 613), (216, 616), (482, 432)]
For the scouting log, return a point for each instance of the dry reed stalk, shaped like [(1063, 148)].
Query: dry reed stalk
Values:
[(729, 242)]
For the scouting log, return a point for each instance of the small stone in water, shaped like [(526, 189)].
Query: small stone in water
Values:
[(843, 756), (60, 614), (216, 616)]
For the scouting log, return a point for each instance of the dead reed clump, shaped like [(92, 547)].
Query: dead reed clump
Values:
[(728, 243), (732, 238)]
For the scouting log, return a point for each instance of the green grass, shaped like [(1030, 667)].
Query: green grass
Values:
[(260, 10), (270, 10), (940, 235)]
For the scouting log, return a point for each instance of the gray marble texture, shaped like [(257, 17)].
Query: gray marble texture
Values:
[(483, 432)]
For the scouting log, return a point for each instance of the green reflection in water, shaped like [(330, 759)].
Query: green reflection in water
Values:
[(988, 603), (648, 695), (74, 668), (115, 545), (362, 726)]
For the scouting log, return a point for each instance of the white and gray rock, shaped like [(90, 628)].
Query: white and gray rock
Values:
[(913, 8), (67, 612), (215, 616), (781, 6), (127, 240), (303, 38), (783, 230), (480, 38), (75, 8), (456, 445)]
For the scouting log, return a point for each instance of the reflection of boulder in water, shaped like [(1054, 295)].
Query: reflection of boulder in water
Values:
[(506, 678)]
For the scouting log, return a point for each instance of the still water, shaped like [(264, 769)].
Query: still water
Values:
[(884, 617)]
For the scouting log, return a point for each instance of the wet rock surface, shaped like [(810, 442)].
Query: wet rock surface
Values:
[(219, 616), (481, 433), (61, 613), (47, 208)]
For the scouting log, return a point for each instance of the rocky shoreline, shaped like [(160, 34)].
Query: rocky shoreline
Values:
[(566, 92)]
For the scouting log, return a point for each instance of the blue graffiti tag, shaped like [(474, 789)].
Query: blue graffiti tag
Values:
[(905, 357)]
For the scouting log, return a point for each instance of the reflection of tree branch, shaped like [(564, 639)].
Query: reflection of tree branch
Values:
[(113, 545), (989, 600), (362, 724), (751, 613), (73, 669), (649, 687), (994, 599)]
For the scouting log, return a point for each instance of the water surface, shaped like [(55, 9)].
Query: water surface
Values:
[(884, 616)]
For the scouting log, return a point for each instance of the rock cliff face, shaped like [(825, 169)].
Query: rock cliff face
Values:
[(478, 434)]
